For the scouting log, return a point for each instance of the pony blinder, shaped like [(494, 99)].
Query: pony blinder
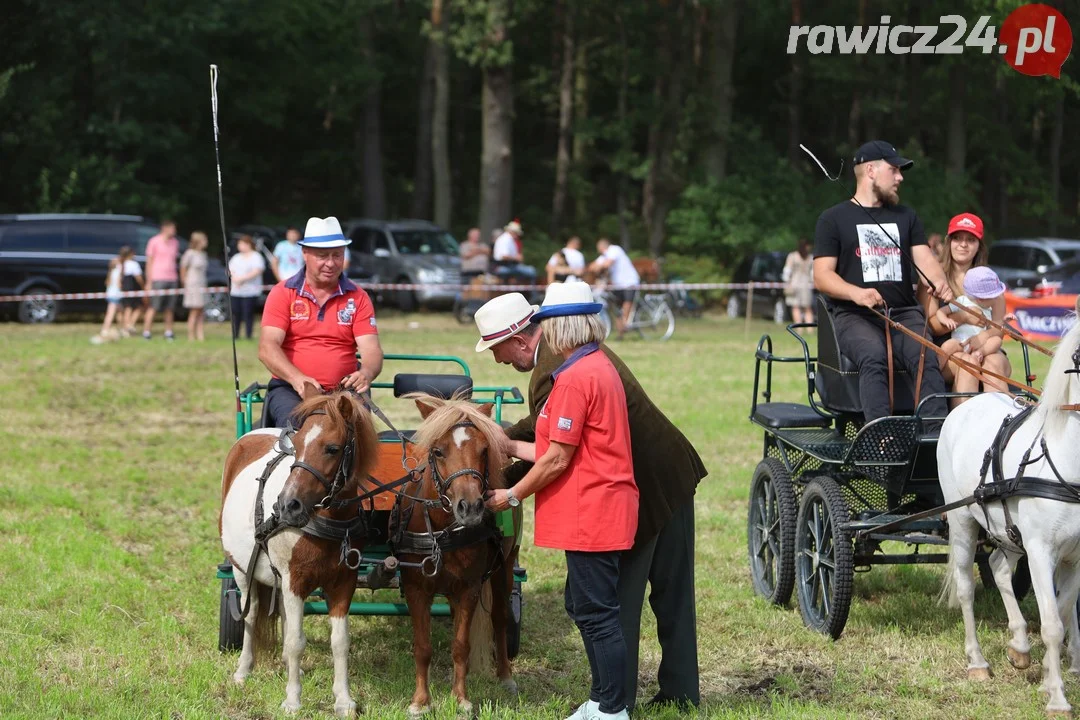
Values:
[(1075, 361)]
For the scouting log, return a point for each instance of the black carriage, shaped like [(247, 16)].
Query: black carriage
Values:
[(378, 568), (831, 489)]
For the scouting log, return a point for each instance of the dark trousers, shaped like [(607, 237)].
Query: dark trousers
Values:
[(592, 603), (243, 309), (861, 338), (280, 401), (667, 563)]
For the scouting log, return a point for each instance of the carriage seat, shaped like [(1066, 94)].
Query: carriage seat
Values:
[(837, 378), (443, 386), (779, 415)]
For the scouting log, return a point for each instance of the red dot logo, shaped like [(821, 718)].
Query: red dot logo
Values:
[(1036, 40)]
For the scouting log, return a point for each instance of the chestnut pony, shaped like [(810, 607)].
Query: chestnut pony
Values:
[(448, 542), (303, 538)]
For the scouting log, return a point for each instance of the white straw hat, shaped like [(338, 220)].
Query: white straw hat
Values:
[(324, 233), (502, 317)]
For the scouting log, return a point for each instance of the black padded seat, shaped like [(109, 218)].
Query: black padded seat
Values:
[(390, 435), (777, 415), (444, 386)]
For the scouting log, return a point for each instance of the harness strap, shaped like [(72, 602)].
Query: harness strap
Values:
[(889, 357), (922, 358)]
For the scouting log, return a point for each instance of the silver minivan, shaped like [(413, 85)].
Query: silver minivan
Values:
[(414, 252)]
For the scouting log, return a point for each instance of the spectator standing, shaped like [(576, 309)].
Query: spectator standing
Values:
[(131, 281), (568, 264), (623, 278), (193, 277), (288, 258), (161, 255), (113, 284), (245, 273), (798, 276)]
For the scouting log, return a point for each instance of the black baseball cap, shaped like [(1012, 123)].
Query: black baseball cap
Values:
[(881, 150)]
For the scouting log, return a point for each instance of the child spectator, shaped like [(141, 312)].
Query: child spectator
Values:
[(131, 281), (113, 285), (985, 293), (193, 277)]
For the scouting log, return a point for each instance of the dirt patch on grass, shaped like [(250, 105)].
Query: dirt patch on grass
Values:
[(798, 682)]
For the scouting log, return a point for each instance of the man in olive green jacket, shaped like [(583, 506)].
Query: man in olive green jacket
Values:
[(667, 470)]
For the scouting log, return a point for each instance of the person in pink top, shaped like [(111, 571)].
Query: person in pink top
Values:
[(161, 273)]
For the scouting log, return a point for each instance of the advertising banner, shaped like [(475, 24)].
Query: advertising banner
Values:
[(1045, 318)]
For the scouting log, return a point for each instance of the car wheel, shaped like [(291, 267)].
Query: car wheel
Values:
[(405, 299), (779, 314), (734, 306), (38, 311), (216, 308)]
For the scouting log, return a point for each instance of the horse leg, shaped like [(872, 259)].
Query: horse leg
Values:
[(339, 597), (963, 538), (419, 601), (1041, 563), (502, 584), (293, 608), (1068, 585), (247, 654), (1018, 649), (463, 605)]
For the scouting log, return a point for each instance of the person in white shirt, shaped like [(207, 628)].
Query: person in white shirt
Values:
[(623, 277), (568, 264), (507, 255), (245, 272)]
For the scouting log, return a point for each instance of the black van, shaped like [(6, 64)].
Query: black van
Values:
[(67, 253)]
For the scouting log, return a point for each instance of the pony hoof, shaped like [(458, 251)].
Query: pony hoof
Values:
[(417, 711), (239, 679), (511, 687), (1019, 660), (290, 706), (465, 707), (1066, 714), (345, 709), (978, 673)]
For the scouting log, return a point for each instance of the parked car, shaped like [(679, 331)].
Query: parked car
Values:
[(1021, 263), (405, 251), (69, 253), (766, 266)]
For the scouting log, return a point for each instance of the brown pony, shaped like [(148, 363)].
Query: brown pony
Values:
[(449, 543), (302, 541)]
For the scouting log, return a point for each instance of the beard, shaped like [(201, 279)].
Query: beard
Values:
[(888, 198)]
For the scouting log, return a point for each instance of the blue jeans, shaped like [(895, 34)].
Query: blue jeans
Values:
[(593, 604)]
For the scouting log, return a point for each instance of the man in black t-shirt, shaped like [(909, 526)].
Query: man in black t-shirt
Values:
[(862, 259)]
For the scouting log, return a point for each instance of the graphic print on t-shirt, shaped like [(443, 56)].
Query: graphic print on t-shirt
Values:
[(880, 256)]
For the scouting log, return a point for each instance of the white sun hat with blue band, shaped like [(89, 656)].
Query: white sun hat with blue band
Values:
[(324, 233), (574, 298)]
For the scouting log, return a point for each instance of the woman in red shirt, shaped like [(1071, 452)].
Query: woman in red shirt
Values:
[(583, 479)]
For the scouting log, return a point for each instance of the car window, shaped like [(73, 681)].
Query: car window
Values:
[(1040, 257), (425, 242), (361, 240), (30, 236), (103, 238), (1066, 254), (143, 233), (1009, 256)]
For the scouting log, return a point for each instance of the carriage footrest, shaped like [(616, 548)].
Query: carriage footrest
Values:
[(788, 415), (825, 444), (924, 525)]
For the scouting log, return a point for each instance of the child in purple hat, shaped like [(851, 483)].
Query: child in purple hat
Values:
[(983, 292)]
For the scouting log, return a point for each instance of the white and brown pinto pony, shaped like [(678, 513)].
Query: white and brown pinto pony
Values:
[(1049, 529), (462, 453), (320, 447)]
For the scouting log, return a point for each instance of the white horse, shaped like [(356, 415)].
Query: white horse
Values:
[(1049, 529), (335, 446)]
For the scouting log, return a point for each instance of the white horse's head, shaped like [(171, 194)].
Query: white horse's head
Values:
[(1062, 385)]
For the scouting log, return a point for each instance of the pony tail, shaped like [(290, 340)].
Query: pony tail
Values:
[(482, 633), (265, 630)]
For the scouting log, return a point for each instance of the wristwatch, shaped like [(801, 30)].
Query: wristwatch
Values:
[(510, 498)]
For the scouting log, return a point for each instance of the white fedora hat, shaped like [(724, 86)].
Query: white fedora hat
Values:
[(502, 317), (563, 298), (324, 233)]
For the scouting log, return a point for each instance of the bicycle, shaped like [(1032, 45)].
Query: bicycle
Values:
[(651, 316)]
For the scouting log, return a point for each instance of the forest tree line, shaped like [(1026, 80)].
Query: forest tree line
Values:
[(671, 126)]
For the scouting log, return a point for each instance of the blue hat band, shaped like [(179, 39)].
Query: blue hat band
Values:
[(567, 309)]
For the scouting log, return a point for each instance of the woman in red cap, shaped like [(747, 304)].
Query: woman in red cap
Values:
[(965, 248)]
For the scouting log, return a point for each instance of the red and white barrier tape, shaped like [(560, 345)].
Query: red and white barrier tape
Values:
[(402, 286)]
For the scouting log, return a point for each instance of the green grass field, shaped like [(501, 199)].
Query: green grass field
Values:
[(108, 545)]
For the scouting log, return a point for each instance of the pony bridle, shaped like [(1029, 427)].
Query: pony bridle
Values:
[(442, 484), (344, 468)]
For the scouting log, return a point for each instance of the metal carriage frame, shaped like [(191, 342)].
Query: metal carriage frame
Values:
[(830, 490), (372, 571)]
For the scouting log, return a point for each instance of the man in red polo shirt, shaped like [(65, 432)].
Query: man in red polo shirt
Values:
[(314, 324)]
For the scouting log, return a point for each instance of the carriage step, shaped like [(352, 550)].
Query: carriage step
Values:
[(826, 445), (929, 524)]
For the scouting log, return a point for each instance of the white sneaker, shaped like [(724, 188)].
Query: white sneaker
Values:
[(621, 715), (588, 710)]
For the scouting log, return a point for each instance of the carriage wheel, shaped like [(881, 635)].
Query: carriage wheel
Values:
[(661, 325), (1021, 579), (770, 531), (513, 630), (824, 562), (230, 631)]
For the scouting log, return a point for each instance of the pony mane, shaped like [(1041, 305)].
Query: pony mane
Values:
[(448, 413), (342, 410), (1056, 389)]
